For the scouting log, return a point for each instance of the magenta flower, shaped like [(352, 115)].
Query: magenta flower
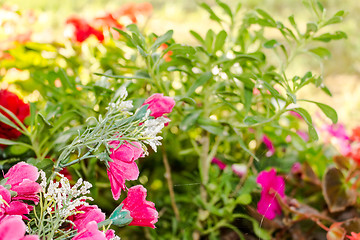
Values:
[(272, 185), (123, 166), (219, 163), (22, 178), (270, 146), (159, 105), (142, 212), (13, 228), (9, 207), (86, 214), (90, 231)]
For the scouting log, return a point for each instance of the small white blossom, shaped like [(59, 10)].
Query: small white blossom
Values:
[(115, 238), (151, 128), (63, 198)]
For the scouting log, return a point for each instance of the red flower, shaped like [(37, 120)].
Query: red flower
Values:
[(83, 30), (354, 236), (21, 110), (108, 22), (355, 134), (133, 10), (142, 212)]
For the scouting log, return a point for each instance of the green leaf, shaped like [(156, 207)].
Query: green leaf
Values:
[(209, 40), (141, 51), (311, 27), (321, 52), (197, 36), (327, 110), (162, 39), (220, 40), (122, 77), (320, 6), (213, 16), (271, 44), (225, 7), (199, 82), (7, 121), (140, 113), (327, 37), (267, 17), (306, 116), (244, 199), (189, 120), (130, 42), (4, 141), (335, 19)]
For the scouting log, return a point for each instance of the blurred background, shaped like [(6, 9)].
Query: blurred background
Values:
[(341, 71)]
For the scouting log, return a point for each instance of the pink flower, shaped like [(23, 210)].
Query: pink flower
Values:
[(219, 163), (22, 177), (295, 114), (266, 140), (303, 135), (142, 212), (90, 231), (86, 215), (123, 166), (159, 105), (13, 228), (296, 168), (8, 207), (336, 133), (271, 186), (239, 169)]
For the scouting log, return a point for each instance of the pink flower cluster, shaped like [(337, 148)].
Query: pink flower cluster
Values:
[(123, 167), (20, 179)]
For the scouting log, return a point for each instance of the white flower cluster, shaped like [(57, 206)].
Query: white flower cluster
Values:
[(63, 198), (151, 128), (120, 104), (115, 238)]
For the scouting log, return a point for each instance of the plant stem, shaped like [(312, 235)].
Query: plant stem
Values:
[(170, 183)]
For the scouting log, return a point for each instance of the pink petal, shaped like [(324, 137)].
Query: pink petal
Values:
[(269, 145), (126, 152), (18, 208), (21, 171), (27, 190), (12, 228), (5, 194), (268, 205), (143, 212), (218, 162), (110, 234), (91, 232), (159, 105), (91, 213)]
